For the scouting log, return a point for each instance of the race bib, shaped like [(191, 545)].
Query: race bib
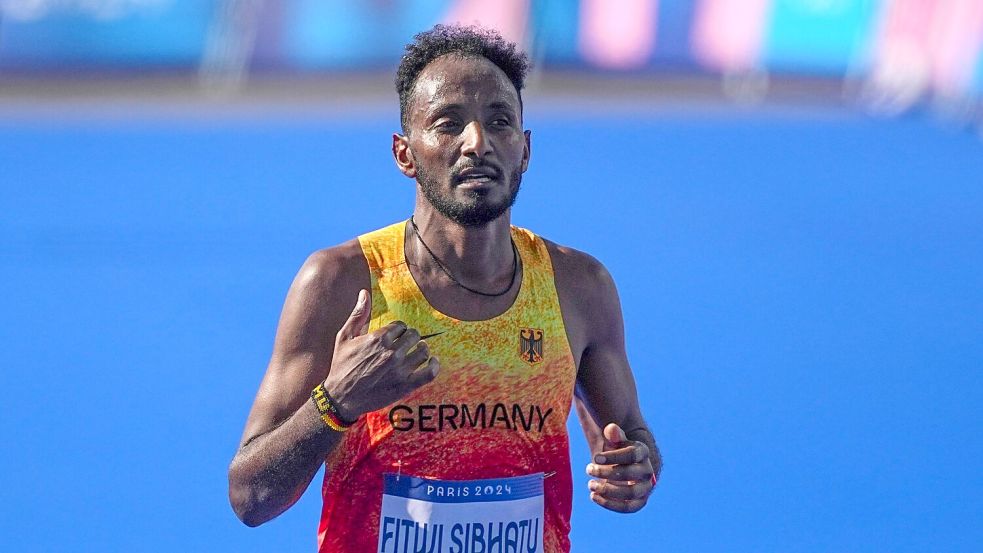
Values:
[(500, 515)]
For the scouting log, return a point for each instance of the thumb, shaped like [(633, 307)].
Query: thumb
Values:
[(358, 321), (614, 435)]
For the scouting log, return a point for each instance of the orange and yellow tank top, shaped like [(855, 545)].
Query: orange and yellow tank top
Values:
[(498, 407)]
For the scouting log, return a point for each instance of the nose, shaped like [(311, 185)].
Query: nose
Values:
[(475, 143)]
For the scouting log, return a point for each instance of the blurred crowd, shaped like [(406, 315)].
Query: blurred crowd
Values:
[(891, 56)]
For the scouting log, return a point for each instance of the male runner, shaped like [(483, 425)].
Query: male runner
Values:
[(449, 346)]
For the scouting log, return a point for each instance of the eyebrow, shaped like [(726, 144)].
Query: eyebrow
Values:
[(502, 106), (440, 111)]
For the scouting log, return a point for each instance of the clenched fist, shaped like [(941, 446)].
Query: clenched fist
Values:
[(623, 473), (370, 371)]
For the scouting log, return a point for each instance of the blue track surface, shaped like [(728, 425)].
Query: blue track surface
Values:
[(803, 295)]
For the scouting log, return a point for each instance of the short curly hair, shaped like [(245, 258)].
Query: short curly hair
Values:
[(466, 41)]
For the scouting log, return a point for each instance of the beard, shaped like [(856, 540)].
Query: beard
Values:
[(477, 210)]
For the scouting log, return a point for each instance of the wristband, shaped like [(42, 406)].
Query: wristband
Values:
[(328, 410)]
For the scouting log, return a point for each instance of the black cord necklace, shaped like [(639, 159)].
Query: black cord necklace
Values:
[(515, 265)]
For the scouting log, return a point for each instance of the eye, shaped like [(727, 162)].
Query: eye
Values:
[(501, 122), (447, 125)]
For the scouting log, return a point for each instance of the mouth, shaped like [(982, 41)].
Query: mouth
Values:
[(475, 177), (475, 181)]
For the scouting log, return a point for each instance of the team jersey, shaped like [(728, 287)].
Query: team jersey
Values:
[(497, 408)]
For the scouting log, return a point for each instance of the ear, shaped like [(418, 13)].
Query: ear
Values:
[(527, 151), (403, 155)]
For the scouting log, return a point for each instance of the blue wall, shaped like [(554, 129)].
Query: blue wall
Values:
[(803, 295)]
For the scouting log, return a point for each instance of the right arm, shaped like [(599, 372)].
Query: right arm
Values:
[(320, 339), (285, 441)]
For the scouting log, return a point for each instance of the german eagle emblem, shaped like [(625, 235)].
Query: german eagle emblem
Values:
[(531, 345)]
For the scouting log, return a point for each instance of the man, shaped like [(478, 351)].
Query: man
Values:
[(447, 349)]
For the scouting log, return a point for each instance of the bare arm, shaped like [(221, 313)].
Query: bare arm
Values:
[(321, 339), (625, 455), (285, 441), (606, 391)]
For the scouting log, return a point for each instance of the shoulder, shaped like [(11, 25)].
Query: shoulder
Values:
[(587, 295), (578, 273), (331, 274), (340, 261)]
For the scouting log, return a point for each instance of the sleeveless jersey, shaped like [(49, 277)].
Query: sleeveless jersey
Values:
[(498, 407)]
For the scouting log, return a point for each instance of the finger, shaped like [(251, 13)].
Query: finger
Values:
[(358, 320), (633, 472), (419, 354), (613, 490), (614, 435), (389, 333), (424, 374), (636, 452), (406, 340), (618, 505)]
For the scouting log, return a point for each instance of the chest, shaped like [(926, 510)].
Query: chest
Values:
[(460, 304)]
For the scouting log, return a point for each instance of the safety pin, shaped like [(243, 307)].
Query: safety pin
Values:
[(399, 468)]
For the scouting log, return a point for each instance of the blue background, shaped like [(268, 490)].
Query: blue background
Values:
[(168, 34), (803, 296)]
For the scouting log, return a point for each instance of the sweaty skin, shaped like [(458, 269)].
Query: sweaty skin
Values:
[(464, 114)]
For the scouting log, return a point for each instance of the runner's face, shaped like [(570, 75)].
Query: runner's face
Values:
[(466, 138)]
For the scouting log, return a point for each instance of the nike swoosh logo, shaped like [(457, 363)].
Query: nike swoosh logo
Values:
[(432, 335)]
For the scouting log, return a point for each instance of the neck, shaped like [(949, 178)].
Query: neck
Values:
[(479, 255)]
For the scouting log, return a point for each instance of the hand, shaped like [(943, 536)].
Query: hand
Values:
[(370, 371), (623, 473)]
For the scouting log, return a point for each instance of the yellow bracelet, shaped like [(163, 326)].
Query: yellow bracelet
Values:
[(328, 410), (332, 424)]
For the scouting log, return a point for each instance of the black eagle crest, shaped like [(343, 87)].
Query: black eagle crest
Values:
[(531, 345)]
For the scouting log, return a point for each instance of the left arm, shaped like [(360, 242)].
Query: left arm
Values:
[(625, 456)]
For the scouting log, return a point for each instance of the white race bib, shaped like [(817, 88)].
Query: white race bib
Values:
[(500, 515)]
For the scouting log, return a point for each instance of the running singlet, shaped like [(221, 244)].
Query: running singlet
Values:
[(497, 409)]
